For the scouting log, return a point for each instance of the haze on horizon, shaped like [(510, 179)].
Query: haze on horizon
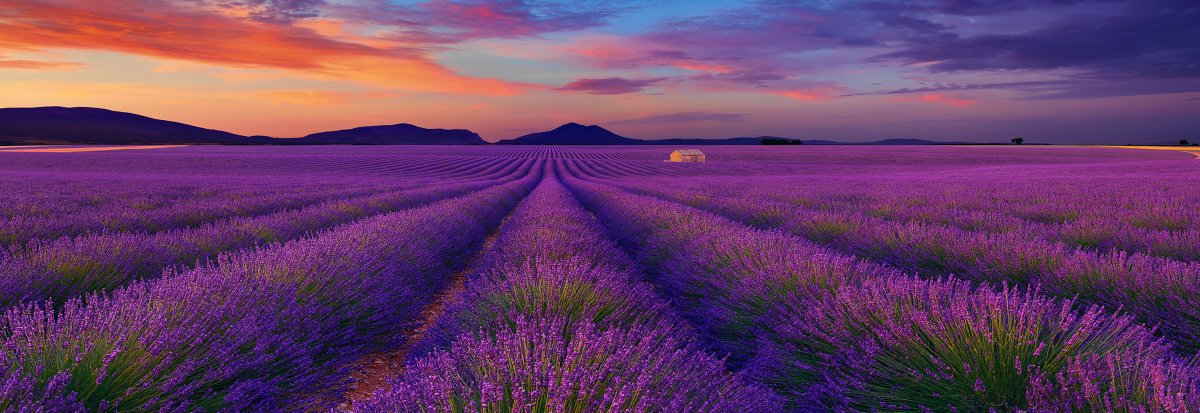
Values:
[(1068, 71)]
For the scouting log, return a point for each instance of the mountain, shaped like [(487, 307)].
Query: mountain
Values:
[(699, 141), (399, 134), (574, 134), (92, 125), (58, 125)]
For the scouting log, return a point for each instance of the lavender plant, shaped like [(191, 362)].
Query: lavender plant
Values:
[(554, 321), (258, 330), (838, 334)]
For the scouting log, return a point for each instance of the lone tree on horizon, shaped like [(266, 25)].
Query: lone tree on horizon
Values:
[(1018, 141), (1183, 142)]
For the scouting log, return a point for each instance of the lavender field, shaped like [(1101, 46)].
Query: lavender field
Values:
[(600, 279)]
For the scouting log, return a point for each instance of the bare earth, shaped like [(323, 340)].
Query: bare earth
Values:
[(372, 372)]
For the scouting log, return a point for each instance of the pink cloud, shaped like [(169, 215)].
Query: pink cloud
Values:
[(704, 71), (810, 94), (938, 98), (609, 86)]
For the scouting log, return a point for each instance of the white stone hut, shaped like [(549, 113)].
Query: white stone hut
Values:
[(687, 155)]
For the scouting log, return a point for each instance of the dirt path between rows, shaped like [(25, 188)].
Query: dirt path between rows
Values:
[(371, 373)]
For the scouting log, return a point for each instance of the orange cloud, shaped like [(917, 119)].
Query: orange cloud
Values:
[(939, 98), (40, 65), (810, 94), (173, 31), (303, 97), (313, 97)]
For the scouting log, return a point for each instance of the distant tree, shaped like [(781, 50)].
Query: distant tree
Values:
[(1183, 142), (1018, 141)]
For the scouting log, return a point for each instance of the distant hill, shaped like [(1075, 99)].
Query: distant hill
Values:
[(399, 134), (698, 141), (102, 126), (577, 134), (574, 134), (61, 125)]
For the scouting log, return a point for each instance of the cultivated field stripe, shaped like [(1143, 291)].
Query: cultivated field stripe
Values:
[(553, 270), (69, 267), (753, 293), (185, 214), (249, 332), (1103, 229), (72, 266), (371, 373), (1160, 292)]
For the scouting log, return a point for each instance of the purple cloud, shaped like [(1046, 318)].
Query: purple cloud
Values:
[(609, 86), (273, 11), (685, 117), (1065, 46), (940, 87), (1146, 39), (456, 21)]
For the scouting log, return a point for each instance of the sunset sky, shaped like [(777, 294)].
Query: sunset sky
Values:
[(1063, 71)]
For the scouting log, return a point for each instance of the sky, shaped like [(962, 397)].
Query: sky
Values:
[(1055, 71)]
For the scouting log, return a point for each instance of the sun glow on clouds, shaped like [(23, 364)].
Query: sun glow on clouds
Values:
[(39, 64), (314, 97), (165, 30), (813, 94)]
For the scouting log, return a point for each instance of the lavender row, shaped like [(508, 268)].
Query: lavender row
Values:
[(67, 267), (261, 330), (554, 320), (548, 250), (831, 332), (263, 162), (908, 164), (174, 210), (1153, 217), (60, 193), (1106, 231), (1158, 291), (99, 203)]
